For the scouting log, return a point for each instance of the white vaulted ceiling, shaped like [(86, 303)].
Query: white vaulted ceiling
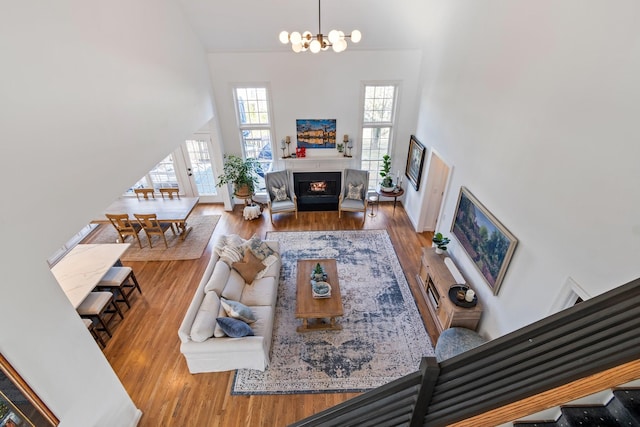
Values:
[(254, 25)]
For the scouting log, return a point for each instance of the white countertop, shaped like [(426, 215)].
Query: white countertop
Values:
[(84, 266)]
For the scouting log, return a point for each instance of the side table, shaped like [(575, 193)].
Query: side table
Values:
[(373, 201), (399, 191)]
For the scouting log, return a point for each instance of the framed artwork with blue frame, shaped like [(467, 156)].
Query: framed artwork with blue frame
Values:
[(314, 133)]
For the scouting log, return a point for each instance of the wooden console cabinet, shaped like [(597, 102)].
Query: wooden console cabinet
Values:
[(435, 280)]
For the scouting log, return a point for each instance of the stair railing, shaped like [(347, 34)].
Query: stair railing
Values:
[(595, 335), (591, 337), (392, 404)]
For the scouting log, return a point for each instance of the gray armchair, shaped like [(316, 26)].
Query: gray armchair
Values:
[(355, 187), (282, 198)]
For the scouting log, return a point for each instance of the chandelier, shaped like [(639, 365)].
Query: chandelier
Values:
[(307, 41)]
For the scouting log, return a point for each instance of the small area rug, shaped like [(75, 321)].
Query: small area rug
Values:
[(190, 248), (383, 336)]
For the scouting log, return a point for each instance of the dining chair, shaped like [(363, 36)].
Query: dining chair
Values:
[(282, 198), (170, 192), (146, 192), (125, 227), (153, 227), (355, 186)]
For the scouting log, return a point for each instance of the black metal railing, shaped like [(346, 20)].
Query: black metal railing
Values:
[(593, 336), (390, 405)]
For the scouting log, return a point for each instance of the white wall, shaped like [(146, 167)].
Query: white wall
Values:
[(92, 95), (321, 86), (536, 105)]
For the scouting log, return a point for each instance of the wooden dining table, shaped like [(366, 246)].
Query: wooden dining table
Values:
[(82, 268), (167, 210)]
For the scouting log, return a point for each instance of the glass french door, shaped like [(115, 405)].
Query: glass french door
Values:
[(199, 168)]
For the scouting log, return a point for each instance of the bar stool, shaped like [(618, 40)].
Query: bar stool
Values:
[(120, 281), (96, 305), (89, 324), (373, 201)]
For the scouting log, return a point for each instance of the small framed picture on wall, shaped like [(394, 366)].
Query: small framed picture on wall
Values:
[(415, 161)]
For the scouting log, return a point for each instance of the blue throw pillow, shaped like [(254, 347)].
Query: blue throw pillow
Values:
[(234, 328)]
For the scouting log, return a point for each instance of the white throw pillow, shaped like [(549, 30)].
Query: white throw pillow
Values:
[(268, 262), (230, 239)]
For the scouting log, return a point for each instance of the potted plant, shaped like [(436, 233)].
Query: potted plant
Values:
[(440, 242), (241, 173), (387, 180), (318, 274)]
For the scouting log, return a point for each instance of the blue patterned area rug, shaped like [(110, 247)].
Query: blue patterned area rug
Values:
[(383, 336)]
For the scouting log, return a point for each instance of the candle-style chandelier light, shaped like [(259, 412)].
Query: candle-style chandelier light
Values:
[(307, 41)]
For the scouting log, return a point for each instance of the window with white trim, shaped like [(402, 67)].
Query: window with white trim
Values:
[(254, 123), (378, 120)]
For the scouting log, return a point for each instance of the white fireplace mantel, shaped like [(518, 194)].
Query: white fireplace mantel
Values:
[(320, 164)]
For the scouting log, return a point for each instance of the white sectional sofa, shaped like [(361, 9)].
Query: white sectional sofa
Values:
[(203, 343)]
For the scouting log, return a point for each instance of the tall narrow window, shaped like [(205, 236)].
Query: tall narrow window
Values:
[(377, 128), (254, 123)]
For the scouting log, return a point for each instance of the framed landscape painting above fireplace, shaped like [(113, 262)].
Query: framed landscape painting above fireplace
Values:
[(313, 133), (485, 240)]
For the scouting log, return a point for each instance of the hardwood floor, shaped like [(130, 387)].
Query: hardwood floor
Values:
[(145, 349)]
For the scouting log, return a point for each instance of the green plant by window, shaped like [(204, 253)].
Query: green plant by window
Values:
[(239, 172), (385, 172)]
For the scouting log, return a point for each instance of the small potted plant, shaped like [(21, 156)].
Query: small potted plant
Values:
[(241, 173), (440, 242), (387, 180), (318, 274)]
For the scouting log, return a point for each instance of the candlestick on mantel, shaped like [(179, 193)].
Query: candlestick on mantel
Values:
[(345, 138), (287, 140)]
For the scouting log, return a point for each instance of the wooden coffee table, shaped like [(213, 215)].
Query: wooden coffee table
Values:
[(317, 309)]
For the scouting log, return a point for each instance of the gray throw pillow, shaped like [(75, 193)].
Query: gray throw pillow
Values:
[(280, 194), (234, 328), (237, 310), (354, 192), (259, 248)]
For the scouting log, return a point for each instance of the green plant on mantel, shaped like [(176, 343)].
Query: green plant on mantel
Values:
[(242, 173), (385, 172)]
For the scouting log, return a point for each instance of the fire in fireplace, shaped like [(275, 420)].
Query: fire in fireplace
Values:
[(317, 191), (318, 187)]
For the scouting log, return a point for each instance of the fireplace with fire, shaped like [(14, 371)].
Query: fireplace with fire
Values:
[(317, 191)]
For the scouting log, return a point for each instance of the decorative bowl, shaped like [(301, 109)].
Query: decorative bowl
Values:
[(321, 289)]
